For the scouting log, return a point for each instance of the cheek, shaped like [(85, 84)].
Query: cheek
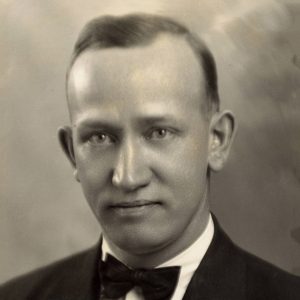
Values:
[(184, 174), (195, 155), (94, 173), (185, 163)]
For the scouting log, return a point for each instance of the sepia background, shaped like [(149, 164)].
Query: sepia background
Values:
[(43, 214)]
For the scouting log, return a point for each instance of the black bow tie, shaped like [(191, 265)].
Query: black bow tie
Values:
[(156, 284)]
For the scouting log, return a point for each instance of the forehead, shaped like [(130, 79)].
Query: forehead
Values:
[(167, 67)]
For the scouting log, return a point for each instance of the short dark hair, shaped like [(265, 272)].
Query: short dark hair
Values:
[(141, 29)]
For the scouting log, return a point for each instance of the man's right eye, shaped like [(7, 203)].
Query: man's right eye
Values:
[(101, 139)]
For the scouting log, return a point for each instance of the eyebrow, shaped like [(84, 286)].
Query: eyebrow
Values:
[(95, 124), (150, 120)]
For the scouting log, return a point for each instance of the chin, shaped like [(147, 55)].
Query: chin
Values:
[(140, 243)]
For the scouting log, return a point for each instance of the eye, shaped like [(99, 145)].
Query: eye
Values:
[(101, 138), (159, 133)]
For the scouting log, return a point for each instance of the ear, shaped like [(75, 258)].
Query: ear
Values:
[(222, 132), (66, 143)]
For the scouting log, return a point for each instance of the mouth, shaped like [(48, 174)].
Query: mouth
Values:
[(136, 207)]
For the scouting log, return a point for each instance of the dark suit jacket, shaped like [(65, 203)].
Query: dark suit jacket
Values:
[(225, 273)]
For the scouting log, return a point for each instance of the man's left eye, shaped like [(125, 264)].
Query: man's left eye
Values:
[(159, 133)]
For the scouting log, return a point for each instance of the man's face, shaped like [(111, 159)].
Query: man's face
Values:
[(141, 143)]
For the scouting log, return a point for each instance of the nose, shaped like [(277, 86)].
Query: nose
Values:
[(131, 170)]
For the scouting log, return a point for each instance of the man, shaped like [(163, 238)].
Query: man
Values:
[(146, 131)]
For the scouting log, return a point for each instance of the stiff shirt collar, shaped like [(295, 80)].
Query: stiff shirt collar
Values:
[(188, 260)]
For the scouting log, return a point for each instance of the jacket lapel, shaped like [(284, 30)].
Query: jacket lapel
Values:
[(89, 275), (78, 280), (221, 274)]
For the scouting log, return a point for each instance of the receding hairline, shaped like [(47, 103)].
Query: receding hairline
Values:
[(141, 30), (109, 31)]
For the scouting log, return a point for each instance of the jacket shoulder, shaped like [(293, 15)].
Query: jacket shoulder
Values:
[(229, 272), (266, 281), (63, 277)]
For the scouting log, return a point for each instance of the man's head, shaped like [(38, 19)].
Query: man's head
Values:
[(146, 130)]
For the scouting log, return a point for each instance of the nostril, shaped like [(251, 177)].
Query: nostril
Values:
[(129, 184)]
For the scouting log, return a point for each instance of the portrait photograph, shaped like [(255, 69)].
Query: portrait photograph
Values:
[(150, 150)]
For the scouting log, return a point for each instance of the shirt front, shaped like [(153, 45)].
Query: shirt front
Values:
[(188, 261)]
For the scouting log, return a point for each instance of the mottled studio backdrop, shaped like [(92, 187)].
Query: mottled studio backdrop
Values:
[(43, 215)]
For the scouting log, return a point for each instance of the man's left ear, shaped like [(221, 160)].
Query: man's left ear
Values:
[(222, 132)]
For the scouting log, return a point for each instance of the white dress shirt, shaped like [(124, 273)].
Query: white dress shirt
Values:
[(188, 260)]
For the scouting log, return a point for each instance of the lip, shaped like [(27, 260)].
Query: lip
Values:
[(136, 207)]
